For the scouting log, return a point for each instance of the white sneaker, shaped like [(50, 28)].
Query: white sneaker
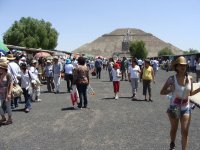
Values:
[(116, 96), (38, 100)]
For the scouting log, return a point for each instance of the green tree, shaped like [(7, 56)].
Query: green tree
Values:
[(191, 51), (138, 50), (165, 51), (33, 33)]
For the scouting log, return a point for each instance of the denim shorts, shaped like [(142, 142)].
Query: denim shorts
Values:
[(183, 112)]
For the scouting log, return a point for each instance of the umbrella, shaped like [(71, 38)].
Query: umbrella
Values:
[(41, 54), (3, 48)]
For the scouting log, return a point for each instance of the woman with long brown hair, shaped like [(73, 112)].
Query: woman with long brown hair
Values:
[(180, 87)]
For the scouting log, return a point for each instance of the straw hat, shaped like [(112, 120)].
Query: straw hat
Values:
[(3, 59), (10, 57), (4, 65), (55, 57), (48, 61), (180, 60), (34, 61)]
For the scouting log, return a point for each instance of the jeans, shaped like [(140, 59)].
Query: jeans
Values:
[(98, 69), (134, 85), (7, 107), (82, 91), (15, 101), (50, 84), (69, 79), (27, 98)]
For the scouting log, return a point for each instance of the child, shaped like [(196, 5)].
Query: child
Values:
[(116, 78)]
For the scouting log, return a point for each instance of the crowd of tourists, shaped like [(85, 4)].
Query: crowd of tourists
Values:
[(21, 76)]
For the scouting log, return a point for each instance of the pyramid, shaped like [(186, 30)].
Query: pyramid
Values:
[(111, 43)]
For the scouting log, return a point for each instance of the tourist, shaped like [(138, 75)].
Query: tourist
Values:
[(6, 84), (147, 76), (116, 74), (68, 69), (133, 76), (180, 87), (26, 77), (98, 66), (123, 68), (81, 79), (36, 90), (110, 67), (48, 72), (57, 70), (198, 70), (14, 70)]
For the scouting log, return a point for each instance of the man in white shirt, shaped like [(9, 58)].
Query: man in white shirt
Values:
[(14, 70), (35, 91), (69, 74)]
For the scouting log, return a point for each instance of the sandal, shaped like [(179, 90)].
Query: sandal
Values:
[(150, 100), (7, 122)]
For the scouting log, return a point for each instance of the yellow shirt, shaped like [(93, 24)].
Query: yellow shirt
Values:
[(147, 73)]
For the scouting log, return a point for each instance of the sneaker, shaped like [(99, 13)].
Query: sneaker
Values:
[(27, 110), (172, 146), (116, 97), (38, 100)]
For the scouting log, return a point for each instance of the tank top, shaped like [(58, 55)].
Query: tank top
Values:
[(180, 95)]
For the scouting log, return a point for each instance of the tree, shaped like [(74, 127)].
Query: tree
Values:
[(137, 49), (165, 51), (33, 33), (191, 51)]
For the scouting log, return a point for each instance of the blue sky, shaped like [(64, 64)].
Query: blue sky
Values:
[(82, 21)]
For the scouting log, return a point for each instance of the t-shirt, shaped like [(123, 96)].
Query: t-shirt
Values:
[(147, 73), (116, 74), (34, 71), (69, 68), (134, 71)]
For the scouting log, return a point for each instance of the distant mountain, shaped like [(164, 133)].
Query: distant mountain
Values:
[(110, 43)]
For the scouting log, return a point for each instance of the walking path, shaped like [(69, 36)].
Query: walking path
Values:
[(108, 124)]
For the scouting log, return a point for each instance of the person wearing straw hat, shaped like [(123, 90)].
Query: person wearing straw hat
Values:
[(57, 70), (6, 85), (48, 72), (14, 70), (35, 91), (180, 87)]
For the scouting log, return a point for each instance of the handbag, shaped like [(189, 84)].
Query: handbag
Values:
[(17, 90)]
